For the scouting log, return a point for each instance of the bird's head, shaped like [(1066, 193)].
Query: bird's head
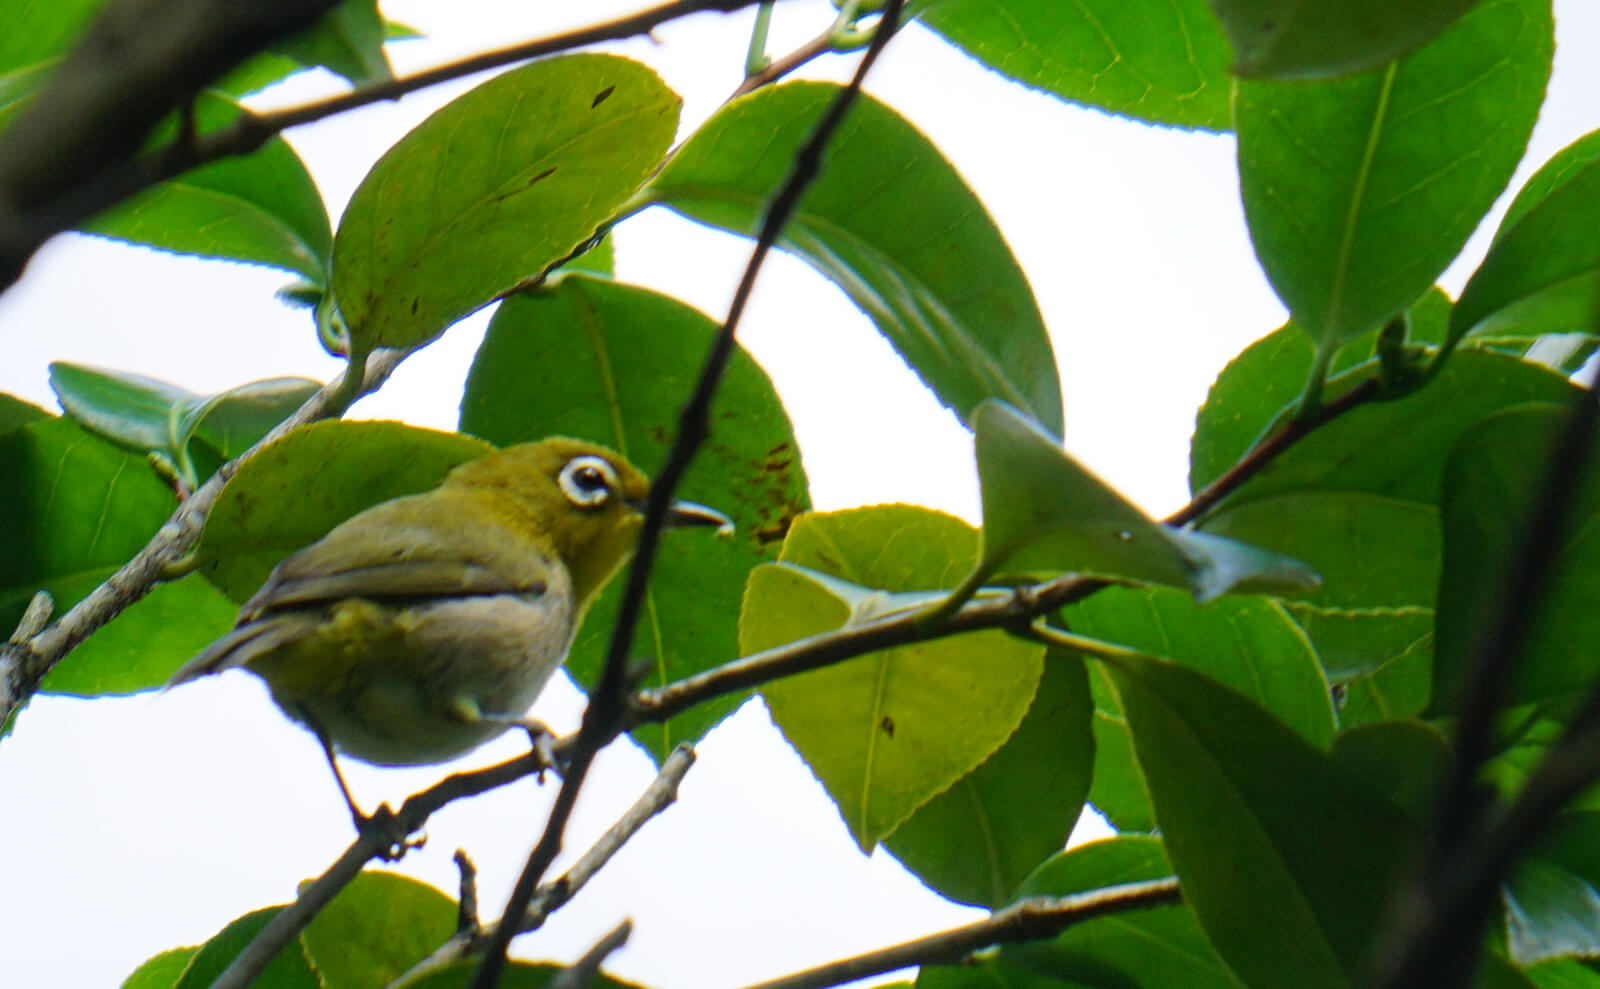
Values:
[(585, 502)]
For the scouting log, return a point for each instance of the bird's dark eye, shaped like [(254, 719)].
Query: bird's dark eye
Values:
[(588, 481)]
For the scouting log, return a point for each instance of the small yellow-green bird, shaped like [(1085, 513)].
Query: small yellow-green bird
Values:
[(426, 625)]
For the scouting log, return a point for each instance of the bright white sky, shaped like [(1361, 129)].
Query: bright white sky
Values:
[(136, 825)]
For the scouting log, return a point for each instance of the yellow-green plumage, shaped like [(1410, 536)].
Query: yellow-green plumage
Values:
[(426, 625)]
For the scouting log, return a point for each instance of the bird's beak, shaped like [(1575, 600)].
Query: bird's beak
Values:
[(687, 514)]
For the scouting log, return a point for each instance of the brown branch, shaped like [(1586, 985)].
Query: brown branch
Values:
[(1026, 920), (822, 44), (470, 941), (1270, 449), (386, 829), (24, 664), (581, 973), (608, 707)]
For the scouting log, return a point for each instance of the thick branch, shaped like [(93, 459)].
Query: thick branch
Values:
[(1026, 920), (607, 708), (23, 664)]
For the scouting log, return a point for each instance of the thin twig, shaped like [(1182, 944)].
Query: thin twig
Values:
[(581, 973), (607, 699), (467, 905), (34, 219), (1026, 920), (821, 45), (23, 664), (1269, 449), (375, 841), (663, 790)]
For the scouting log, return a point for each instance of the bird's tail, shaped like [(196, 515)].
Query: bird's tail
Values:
[(240, 646)]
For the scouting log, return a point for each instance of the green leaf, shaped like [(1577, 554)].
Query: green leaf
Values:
[(347, 40), (1544, 265), (1253, 814), (977, 840), (1357, 499), (1163, 62), (1158, 947), (376, 929), (161, 971), (893, 225), (76, 509), (1404, 760), (1118, 791), (888, 731), (262, 208), (1550, 913), (516, 975), (130, 409), (1360, 191), (147, 414), (1247, 643), (1261, 387), (31, 33), (287, 970), (1568, 973), (145, 644), (1494, 473), (1043, 513), (613, 363), (15, 413), (493, 189), (291, 493), (1306, 38), (981, 972)]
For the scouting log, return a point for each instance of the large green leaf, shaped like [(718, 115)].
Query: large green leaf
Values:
[(1118, 791), (1402, 759), (1544, 264), (287, 970), (1304, 38), (263, 207), (1253, 815), (1358, 498), (976, 841), (1247, 643), (1164, 61), (76, 509), (1360, 191), (892, 224), (1494, 474), (376, 929), (161, 971), (1159, 947), (1550, 913), (291, 493), (347, 39), (492, 190), (888, 731), (1043, 513), (613, 363)]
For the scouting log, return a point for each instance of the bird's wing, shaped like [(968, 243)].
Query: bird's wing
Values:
[(242, 645), (393, 551)]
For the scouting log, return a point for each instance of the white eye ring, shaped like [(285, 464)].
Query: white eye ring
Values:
[(587, 481)]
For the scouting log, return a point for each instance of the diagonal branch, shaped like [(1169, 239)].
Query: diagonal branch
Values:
[(1026, 920), (607, 700), (23, 664), (553, 895)]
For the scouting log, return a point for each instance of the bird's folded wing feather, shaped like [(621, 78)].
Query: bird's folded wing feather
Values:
[(394, 551)]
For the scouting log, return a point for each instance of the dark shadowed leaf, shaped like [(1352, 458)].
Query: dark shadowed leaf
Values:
[(1252, 814), (1306, 38)]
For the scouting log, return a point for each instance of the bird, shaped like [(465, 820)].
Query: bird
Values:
[(426, 625)]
